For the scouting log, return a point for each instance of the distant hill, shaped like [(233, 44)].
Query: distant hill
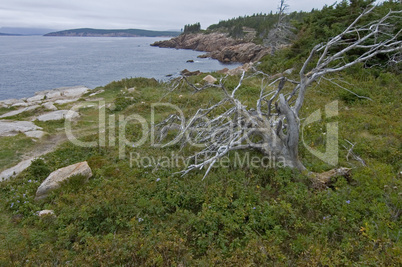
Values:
[(88, 32), (8, 34), (24, 31)]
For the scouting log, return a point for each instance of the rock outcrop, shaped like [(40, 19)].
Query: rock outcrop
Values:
[(59, 96), (58, 115), (19, 111), (12, 128), (218, 45), (14, 171), (54, 180)]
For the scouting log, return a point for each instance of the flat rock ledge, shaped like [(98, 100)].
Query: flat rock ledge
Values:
[(58, 96), (12, 128), (14, 171), (54, 180), (19, 111), (58, 115)]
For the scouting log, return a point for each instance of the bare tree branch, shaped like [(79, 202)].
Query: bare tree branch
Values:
[(273, 125)]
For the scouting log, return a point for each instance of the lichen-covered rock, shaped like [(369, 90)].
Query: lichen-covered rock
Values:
[(53, 181)]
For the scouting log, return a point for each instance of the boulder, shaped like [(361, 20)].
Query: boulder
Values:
[(223, 71), (35, 134), (14, 171), (43, 213), (49, 106), (53, 94), (58, 115), (186, 72), (210, 79), (239, 70), (12, 128), (75, 91), (54, 180)]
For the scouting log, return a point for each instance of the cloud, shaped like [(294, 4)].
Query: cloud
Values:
[(150, 14)]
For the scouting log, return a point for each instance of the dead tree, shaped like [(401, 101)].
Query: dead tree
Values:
[(282, 33), (272, 126)]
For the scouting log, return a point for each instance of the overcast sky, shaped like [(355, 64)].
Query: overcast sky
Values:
[(144, 14)]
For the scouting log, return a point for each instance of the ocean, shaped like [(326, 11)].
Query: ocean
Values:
[(29, 64)]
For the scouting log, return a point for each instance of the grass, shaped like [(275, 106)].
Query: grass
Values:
[(129, 214), (12, 148)]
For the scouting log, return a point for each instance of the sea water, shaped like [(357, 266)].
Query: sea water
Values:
[(29, 64)]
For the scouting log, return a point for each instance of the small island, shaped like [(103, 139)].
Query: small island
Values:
[(89, 32)]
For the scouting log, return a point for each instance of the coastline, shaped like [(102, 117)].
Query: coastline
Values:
[(218, 46), (37, 63), (59, 95)]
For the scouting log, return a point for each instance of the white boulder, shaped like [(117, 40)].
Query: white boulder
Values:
[(43, 213), (54, 180), (35, 134), (49, 106), (210, 79)]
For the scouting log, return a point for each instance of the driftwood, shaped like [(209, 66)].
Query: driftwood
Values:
[(272, 126)]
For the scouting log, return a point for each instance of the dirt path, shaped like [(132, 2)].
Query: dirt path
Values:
[(46, 145)]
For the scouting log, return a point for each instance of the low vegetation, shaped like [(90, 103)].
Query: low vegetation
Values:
[(134, 212)]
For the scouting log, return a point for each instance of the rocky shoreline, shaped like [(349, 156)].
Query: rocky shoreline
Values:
[(45, 106), (218, 46), (46, 102)]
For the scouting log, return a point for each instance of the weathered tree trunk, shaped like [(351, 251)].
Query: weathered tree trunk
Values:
[(274, 121)]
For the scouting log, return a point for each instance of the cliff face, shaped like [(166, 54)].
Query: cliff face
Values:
[(218, 45)]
